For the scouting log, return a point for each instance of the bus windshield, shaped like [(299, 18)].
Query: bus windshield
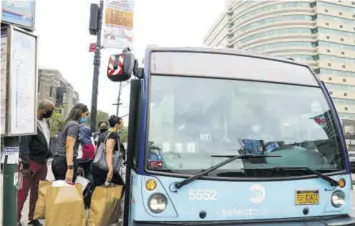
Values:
[(192, 118)]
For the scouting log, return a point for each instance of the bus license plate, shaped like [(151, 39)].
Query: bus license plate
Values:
[(307, 197)]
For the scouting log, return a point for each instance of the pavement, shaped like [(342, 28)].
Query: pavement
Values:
[(25, 210), (50, 177)]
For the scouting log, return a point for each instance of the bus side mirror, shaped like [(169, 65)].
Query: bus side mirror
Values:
[(121, 66)]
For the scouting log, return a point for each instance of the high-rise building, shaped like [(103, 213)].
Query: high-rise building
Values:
[(54, 87), (319, 33)]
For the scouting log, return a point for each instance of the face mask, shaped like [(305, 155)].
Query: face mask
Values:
[(83, 120), (47, 114), (103, 130)]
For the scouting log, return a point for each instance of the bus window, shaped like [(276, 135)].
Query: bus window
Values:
[(194, 118)]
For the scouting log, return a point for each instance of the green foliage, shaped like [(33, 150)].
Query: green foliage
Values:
[(123, 134), (56, 122), (100, 116)]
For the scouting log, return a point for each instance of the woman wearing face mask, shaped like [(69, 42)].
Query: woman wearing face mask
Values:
[(64, 165), (112, 145), (103, 127)]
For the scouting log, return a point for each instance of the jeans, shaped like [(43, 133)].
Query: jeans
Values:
[(59, 168), (30, 183)]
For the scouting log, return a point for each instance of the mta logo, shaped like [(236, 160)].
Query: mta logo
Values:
[(258, 193)]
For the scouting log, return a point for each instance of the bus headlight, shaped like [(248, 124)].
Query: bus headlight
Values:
[(157, 203), (338, 198)]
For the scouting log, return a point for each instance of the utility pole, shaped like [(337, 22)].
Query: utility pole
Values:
[(97, 62), (119, 97), (118, 100)]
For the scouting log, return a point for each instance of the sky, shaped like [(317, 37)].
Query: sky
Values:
[(62, 27)]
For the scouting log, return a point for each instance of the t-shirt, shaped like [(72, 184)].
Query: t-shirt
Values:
[(113, 135), (72, 129), (45, 129)]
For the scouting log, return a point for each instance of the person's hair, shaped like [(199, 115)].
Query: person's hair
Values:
[(75, 114), (101, 122), (44, 104), (113, 120)]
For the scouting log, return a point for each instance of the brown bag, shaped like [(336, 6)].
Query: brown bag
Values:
[(65, 206), (105, 205), (40, 203)]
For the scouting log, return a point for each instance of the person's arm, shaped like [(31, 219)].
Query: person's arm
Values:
[(110, 145), (25, 151), (72, 134)]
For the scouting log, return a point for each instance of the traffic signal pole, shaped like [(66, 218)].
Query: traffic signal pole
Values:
[(97, 62)]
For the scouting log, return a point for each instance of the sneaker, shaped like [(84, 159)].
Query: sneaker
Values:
[(34, 223)]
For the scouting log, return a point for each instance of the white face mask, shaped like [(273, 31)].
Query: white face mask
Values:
[(256, 128)]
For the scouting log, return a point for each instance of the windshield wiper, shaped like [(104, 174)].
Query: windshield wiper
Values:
[(330, 180), (231, 159)]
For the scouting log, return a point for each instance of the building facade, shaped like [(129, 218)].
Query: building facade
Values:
[(52, 86), (319, 33)]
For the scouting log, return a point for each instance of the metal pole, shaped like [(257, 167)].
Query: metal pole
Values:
[(11, 183), (119, 99), (97, 59)]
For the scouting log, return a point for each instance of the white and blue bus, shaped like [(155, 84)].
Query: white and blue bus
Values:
[(221, 137)]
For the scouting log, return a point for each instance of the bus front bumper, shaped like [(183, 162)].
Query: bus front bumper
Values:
[(344, 220)]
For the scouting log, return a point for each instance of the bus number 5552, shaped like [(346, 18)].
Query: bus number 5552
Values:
[(202, 194)]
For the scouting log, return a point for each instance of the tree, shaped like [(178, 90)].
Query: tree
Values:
[(100, 116), (123, 134), (56, 122)]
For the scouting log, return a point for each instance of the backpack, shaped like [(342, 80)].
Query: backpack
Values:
[(86, 149)]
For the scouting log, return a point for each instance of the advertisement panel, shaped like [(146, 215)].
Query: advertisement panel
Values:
[(20, 13), (118, 24)]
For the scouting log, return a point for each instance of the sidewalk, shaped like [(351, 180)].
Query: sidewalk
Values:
[(26, 206)]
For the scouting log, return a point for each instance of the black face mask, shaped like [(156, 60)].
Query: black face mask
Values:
[(47, 114), (103, 130)]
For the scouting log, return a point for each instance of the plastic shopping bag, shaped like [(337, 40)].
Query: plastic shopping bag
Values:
[(105, 205), (40, 203), (65, 206)]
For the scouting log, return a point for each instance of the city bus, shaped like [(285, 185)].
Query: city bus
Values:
[(222, 137)]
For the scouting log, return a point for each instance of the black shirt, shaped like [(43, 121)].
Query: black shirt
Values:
[(113, 135)]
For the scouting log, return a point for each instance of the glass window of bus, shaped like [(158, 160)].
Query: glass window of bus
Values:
[(192, 118)]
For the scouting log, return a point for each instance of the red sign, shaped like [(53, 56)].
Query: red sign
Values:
[(92, 47), (320, 120), (156, 164)]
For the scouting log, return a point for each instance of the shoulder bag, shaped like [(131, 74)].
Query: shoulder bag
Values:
[(100, 158)]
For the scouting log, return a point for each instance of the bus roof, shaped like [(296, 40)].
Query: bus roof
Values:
[(172, 61), (222, 51)]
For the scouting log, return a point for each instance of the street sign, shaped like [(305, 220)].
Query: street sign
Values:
[(20, 13), (118, 23), (92, 47)]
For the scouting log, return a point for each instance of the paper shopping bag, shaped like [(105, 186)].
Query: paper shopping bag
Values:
[(40, 203), (105, 205), (65, 206)]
